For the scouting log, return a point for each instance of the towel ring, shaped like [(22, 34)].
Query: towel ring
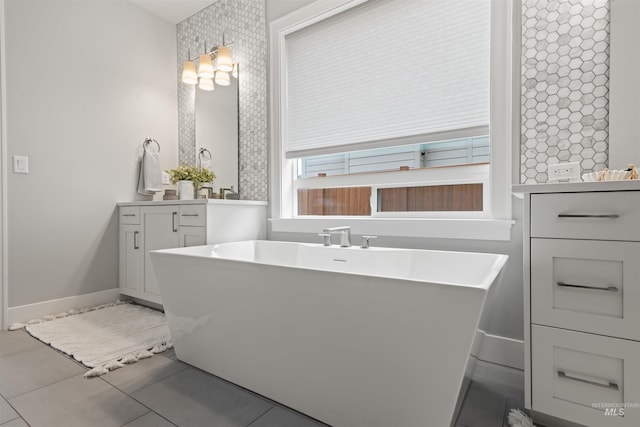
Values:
[(202, 151), (148, 141)]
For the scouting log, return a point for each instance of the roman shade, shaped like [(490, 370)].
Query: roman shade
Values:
[(385, 73)]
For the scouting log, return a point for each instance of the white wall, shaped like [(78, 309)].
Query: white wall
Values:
[(86, 83)]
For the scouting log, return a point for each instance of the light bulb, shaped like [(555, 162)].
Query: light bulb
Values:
[(189, 75), (205, 69), (222, 78), (224, 62), (234, 73), (206, 84)]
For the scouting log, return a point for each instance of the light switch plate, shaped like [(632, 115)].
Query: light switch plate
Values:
[(20, 164)]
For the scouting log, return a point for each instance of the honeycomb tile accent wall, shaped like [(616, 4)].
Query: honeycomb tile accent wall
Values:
[(565, 86), (243, 22)]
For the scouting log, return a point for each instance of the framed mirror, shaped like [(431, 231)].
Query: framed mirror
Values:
[(216, 117)]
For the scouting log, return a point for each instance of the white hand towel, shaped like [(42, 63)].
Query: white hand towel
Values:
[(150, 179), (152, 171)]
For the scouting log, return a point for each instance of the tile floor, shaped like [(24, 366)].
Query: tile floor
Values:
[(40, 386)]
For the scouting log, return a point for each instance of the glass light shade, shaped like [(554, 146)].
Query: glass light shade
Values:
[(224, 61), (189, 75), (234, 73), (222, 78), (206, 84), (205, 69)]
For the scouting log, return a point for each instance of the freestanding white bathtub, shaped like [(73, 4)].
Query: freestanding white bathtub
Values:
[(350, 336)]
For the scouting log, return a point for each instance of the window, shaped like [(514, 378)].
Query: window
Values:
[(318, 196), (381, 110)]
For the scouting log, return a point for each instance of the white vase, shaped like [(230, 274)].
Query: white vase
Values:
[(185, 190)]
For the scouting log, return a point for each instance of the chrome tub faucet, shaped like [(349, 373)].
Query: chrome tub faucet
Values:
[(345, 235)]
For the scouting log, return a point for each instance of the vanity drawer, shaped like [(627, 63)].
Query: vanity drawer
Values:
[(129, 215), (586, 285), (193, 215), (576, 375), (597, 215)]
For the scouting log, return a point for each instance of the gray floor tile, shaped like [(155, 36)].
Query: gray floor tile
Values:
[(143, 373), (499, 379), (18, 422), (12, 342), (482, 408), (282, 417), (150, 419), (77, 402), (171, 354), (6, 411), (194, 398), (29, 370)]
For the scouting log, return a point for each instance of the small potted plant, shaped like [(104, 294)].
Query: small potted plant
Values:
[(188, 177)]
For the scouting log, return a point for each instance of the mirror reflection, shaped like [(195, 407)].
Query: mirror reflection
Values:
[(217, 133)]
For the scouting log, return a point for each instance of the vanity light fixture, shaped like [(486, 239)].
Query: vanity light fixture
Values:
[(189, 75), (222, 78), (205, 67), (224, 61), (206, 84), (215, 65)]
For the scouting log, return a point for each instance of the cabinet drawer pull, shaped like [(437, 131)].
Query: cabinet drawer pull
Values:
[(611, 216), (609, 385), (190, 215), (135, 240), (173, 221), (597, 288), (128, 214)]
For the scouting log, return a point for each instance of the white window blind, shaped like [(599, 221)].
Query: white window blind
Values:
[(388, 72)]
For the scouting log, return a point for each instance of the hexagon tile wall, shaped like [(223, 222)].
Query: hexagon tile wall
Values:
[(565, 85), (244, 23)]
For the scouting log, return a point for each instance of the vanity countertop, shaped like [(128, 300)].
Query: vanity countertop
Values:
[(194, 202), (577, 187)]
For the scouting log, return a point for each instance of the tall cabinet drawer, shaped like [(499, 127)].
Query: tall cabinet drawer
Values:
[(576, 376), (598, 215), (586, 285)]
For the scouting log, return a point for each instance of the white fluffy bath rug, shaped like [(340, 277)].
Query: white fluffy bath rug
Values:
[(106, 337), (517, 418)]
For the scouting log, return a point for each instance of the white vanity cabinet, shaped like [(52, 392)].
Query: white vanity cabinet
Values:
[(130, 253), (149, 226), (582, 303)]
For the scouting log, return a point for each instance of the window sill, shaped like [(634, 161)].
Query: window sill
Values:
[(435, 228)]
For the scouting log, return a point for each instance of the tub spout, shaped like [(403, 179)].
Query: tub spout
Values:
[(345, 235)]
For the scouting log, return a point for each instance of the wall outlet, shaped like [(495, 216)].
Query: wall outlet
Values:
[(563, 171)]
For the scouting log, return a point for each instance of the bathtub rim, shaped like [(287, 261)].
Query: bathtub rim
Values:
[(497, 266)]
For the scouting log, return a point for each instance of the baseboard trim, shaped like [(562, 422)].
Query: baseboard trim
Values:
[(24, 313), (499, 350)]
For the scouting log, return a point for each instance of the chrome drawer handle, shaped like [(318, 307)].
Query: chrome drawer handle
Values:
[(612, 216), (128, 214), (190, 215), (597, 288), (609, 385), (135, 240)]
